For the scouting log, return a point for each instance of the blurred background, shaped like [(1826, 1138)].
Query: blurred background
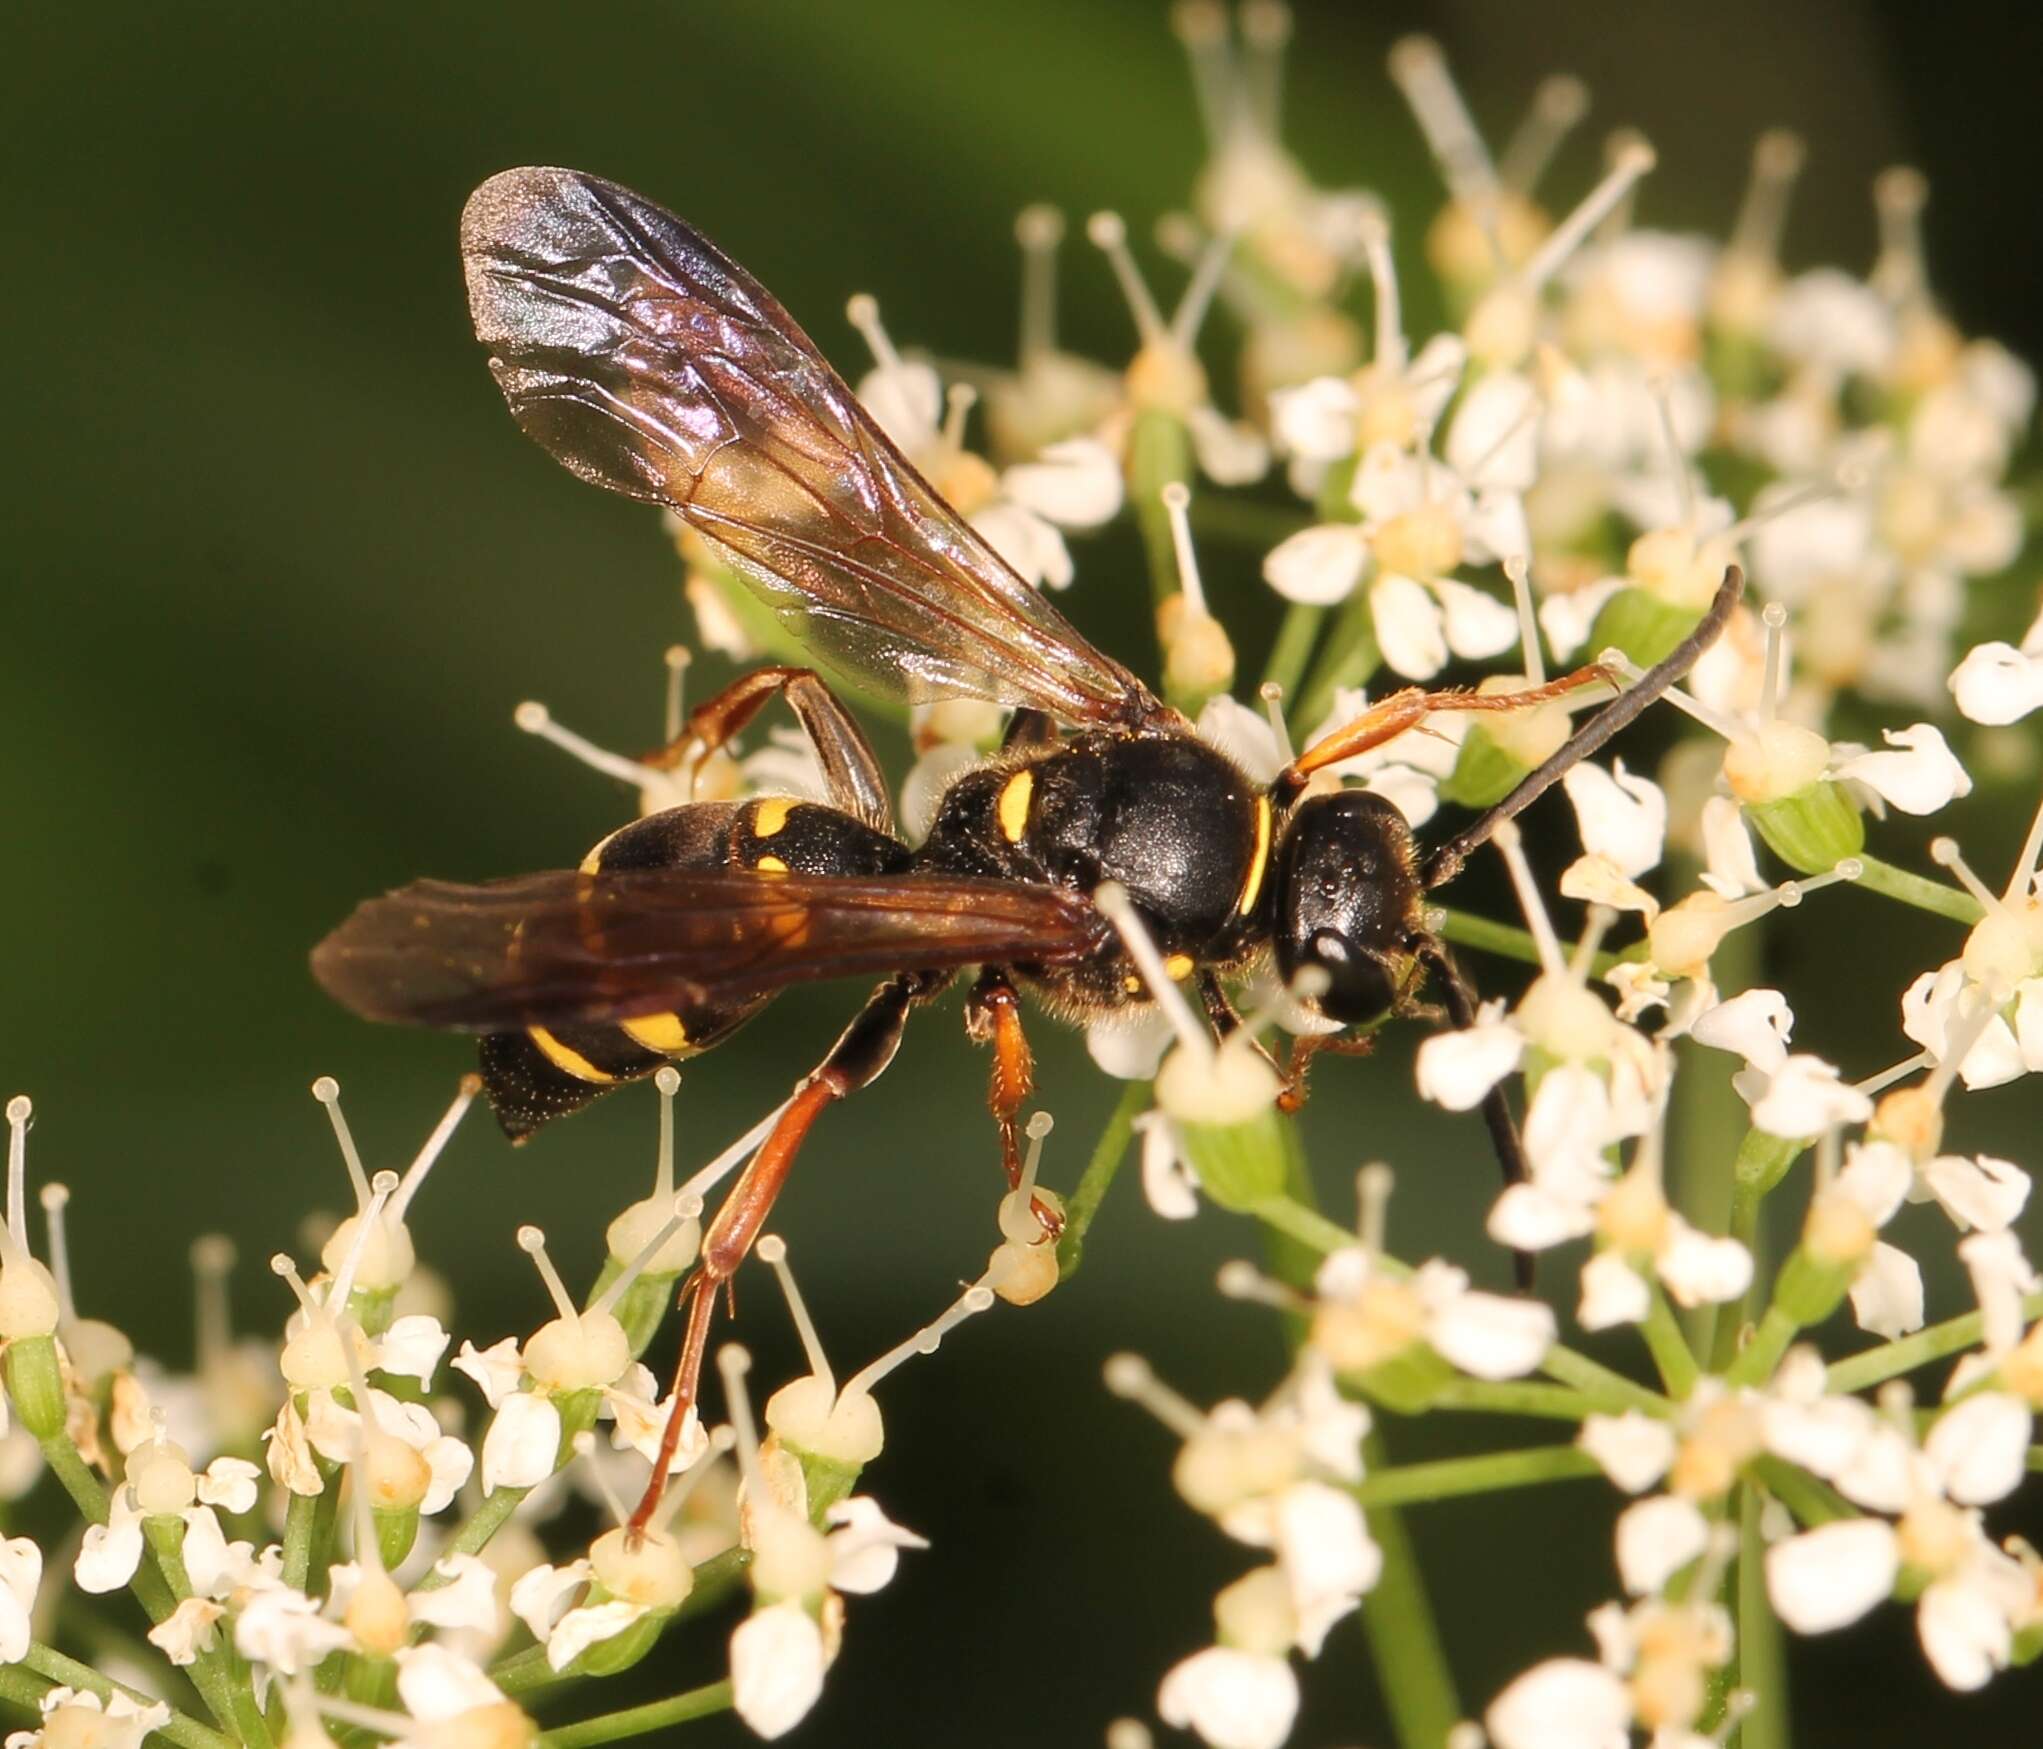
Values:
[(279, 567)]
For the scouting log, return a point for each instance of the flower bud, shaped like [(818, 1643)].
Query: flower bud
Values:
[(1255, 1614), (1642, 625), (377, 1615), (790, 1557), (1912, 1118), (162, 1479), (653, 1573), (396, 1531), (1811, 831), (35, 1384), (582, 1353), (639, 1225), (813, 1420), (1198, 656), (28, 1300), (1021, 1272)]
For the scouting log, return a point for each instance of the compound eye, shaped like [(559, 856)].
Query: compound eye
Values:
[(1359, 987)]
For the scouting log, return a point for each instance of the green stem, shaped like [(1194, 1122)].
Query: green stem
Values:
[(1758, 1358), (1762, 1662), (1913, 889), (1811, 1500), (1891, 1359), (1297, 632), (1308, 1226), (1667, 1345), (637, 1721), (87, 1492), (1093, 1184), (24, 1690), (1404, 1638), (1543, 1402), (49, 1663), (1447, 1478), (1220, 516), (1159, 455), (1506, 940), (473, 1537), (299, 1518), (1594, 1379), (1347, 658)]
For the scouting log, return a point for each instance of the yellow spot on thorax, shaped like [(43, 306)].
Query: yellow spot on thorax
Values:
[(1179, 965), (770, 814), (770, 865), (659, 1032), (566, 1059), (1132, 984), (1252, 884), (594, 860), (1013, 806)]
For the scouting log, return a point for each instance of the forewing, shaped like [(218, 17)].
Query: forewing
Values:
[(649, 362), (539, 950)]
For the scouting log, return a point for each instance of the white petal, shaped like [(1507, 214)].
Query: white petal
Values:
[(522, 1443), (1756, 1024), (209, 1560), (1233, 1699), (1731, 868), (1565, 1703), (467, 1601), (1622, 816), (1700, 1270), (1613, 1293), (1877, 1177), (1245, 736), (1478, 626), (111, 1552), (436, 1683), (1168, 1180), (541, 1593), (229, 1483), (580, 1629), (1075, 483), (21, 1564), (1982, 1193), (906, 402), (1408, 627), (1980, 1447), (449, 1464), (412, 1347), (1317, 566), (1633, 1450), (1964, 1633), (1458, 1069), (1494, 440), (496, 1369), (284, 1629), (1568, 617), (2000, 1277), (1568, 1124), (1886, 1294), (1433, 376), (1928, 1007), (1130, 1049), (1594, 880), (865, 1549), (1495, 529), (1230, 454), (1323, 1547), (1920, 779), (1807, 1096), (1885, 1473), (1997, 684), (1316, 419), (1415, 794), (1828, 1577), (186, 1633), (1489, 1336), (777, 1667), (1656, 1538)]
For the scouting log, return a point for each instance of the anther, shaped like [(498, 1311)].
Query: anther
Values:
[(1130, 1376), (1112, 901), (1595, 926), (1197, 297), (2024, 875), (772, 1251), (435, 1146), (677, 659), (533, 1243), (1272, 696), (1110, 236), (535, 719), (1945, 853), (212, 1256), (1177, 505)]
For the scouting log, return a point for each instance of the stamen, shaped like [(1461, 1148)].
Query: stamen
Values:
[(381, 1188), (686, 1209), (584, 1444), (212, 1262), (1618, 220), (1595, 925), (1900, 1071), (1239, 1280), (1391, 351), (1038, 229), (1265, 30), (1272, 696), (533, 1243), (1110, 236), (667, 1081), (2024, 876), (282, 1264), (436, 1145), (1847, 479), (19, 1109), (1177, 501), (1899, 195), (974, 1300), (1419, 70), (1018, 1220), (702, 1183), (721, 1439), (327, 1091), (1197, 297), (1558, 107), (1776, 161), (1113, 903), (958, 402), (732, 1364), (1129, 1376), (53, 1198), (862, 311), (1829, 1150), (1775, 617), (1632, 161), (1946, 854), (1373, 1185), (678, 659), (1201, 25), (1677, 457), (371, 1718), (1686, 702), (1966, 1029), (535, 719), (1520, 574), (1787, 895), (772, 1251), (1510, 845)]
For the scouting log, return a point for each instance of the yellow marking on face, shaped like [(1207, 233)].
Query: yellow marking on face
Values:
[(770, 865), (659, 1032), (1013, 806), (1179, 965), (770, 815), (594, 860), (1252, 885), (1132, 984), (568, 1061)]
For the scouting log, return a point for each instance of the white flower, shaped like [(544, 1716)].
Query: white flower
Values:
[(21, 1573), (522, 1444), (438, 1688), (1804, 1097), (1828, 1577), (1936, 999), (1979, 1447), (288, 1631), (1656, 1538), (1632, 1449), (77, 1716), (1169, 1180), (336, 1434), (1976, 1191), (1488, 1336), (777, 1664), (1564, 1703), (1234, 1699), (1921, 778), (864, 1545), (1457, 1069), (1623, 817), (187, 1630), (1999, 683), (1130, 1049), (1756, 1024)]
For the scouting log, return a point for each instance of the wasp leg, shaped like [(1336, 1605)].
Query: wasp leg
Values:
[(1225, 1018), (850, 771), (993, 1017), (1446, 860), (861, 1054)]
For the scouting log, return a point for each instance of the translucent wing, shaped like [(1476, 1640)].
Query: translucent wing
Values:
[(649, 362), (543, 949)]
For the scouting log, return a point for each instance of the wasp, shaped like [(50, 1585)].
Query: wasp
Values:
[(648, 362)]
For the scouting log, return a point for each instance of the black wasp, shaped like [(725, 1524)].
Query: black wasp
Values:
[(648, 362)]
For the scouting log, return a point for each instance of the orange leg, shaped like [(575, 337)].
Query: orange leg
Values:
[(1392, 716), (863, 1051), (993, 1016)]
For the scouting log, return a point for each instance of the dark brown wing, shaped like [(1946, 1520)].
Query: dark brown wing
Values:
[(649, 362), (543, 949)]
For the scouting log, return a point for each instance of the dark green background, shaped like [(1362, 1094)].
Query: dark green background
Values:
[(278, 567)]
